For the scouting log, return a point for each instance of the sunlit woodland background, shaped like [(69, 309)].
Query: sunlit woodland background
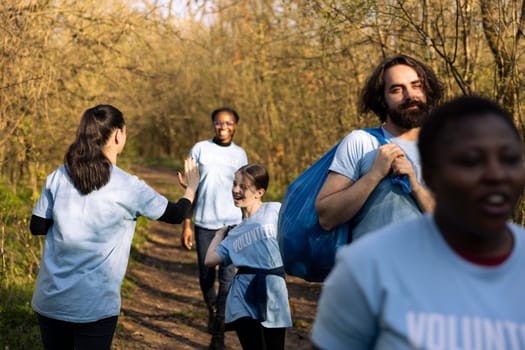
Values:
[(293, 70)]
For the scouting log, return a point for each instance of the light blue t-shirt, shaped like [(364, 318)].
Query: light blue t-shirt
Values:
[(87, 248), (253, 243), (404, 288), (214, 206), (387, 203)]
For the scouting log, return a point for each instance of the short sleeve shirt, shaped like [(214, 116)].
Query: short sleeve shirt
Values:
[(387, 203), (403, 288), (87, 248), (253, 243), (214, 206)]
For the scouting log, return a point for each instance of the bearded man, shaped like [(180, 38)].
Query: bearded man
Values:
[(358, 189)]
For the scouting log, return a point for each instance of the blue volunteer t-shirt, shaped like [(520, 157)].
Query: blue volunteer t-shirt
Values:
[(387, 203), (87, 248), (253, 243), (403, 288), (214, 206)]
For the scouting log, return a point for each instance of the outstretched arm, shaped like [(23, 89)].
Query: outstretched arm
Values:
[(175, 213), (192, 178)]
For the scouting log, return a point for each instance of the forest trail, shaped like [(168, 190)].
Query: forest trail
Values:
[(163, 308)]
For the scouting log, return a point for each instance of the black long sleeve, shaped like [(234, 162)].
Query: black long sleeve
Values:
[(39, 226), (175, 213)]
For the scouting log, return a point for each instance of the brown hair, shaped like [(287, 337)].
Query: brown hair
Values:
[(257, 174), (85, 162), (373, 93)]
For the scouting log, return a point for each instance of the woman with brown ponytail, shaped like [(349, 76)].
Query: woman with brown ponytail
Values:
[(88, 210)]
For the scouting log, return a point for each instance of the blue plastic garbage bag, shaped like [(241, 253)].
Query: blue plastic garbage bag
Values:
[(307, 250)]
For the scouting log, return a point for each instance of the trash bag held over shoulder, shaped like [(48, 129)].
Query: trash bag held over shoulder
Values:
[(307, 250)]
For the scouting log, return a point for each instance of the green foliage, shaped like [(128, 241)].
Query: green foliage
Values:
[(140, 235), (19, 251), (14, 202), (18, 323), (19, 259)]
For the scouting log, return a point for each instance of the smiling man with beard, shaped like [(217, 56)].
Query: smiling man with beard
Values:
[(400, 91)]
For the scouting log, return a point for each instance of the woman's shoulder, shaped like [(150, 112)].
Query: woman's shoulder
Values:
[(57, 175), (270, 208), (236, 146), (272, 205), (202, 144), (116, 170), (119, 175), (207, 142)]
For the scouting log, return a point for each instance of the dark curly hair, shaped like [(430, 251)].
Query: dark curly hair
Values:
[(373, 93), (229, 110)]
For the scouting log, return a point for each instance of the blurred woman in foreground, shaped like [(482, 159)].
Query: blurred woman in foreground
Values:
[(453, 279)]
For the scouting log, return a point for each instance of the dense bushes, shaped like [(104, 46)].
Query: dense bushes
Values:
[(18, 324), (19, 261)]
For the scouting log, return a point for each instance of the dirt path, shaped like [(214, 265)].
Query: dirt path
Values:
[(163, 308)]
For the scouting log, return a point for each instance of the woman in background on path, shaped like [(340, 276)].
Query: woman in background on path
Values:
[(453, 279), (257, 305), (218, 159), (88, 210)]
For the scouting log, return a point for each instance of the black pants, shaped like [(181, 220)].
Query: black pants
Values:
[(208, 275), (62, 335), (253, 336)]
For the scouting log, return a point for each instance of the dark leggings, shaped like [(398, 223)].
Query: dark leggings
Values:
[(208, 275), (62, 335), (253, 336)]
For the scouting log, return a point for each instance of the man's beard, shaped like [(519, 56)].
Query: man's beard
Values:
[(407, 118)]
